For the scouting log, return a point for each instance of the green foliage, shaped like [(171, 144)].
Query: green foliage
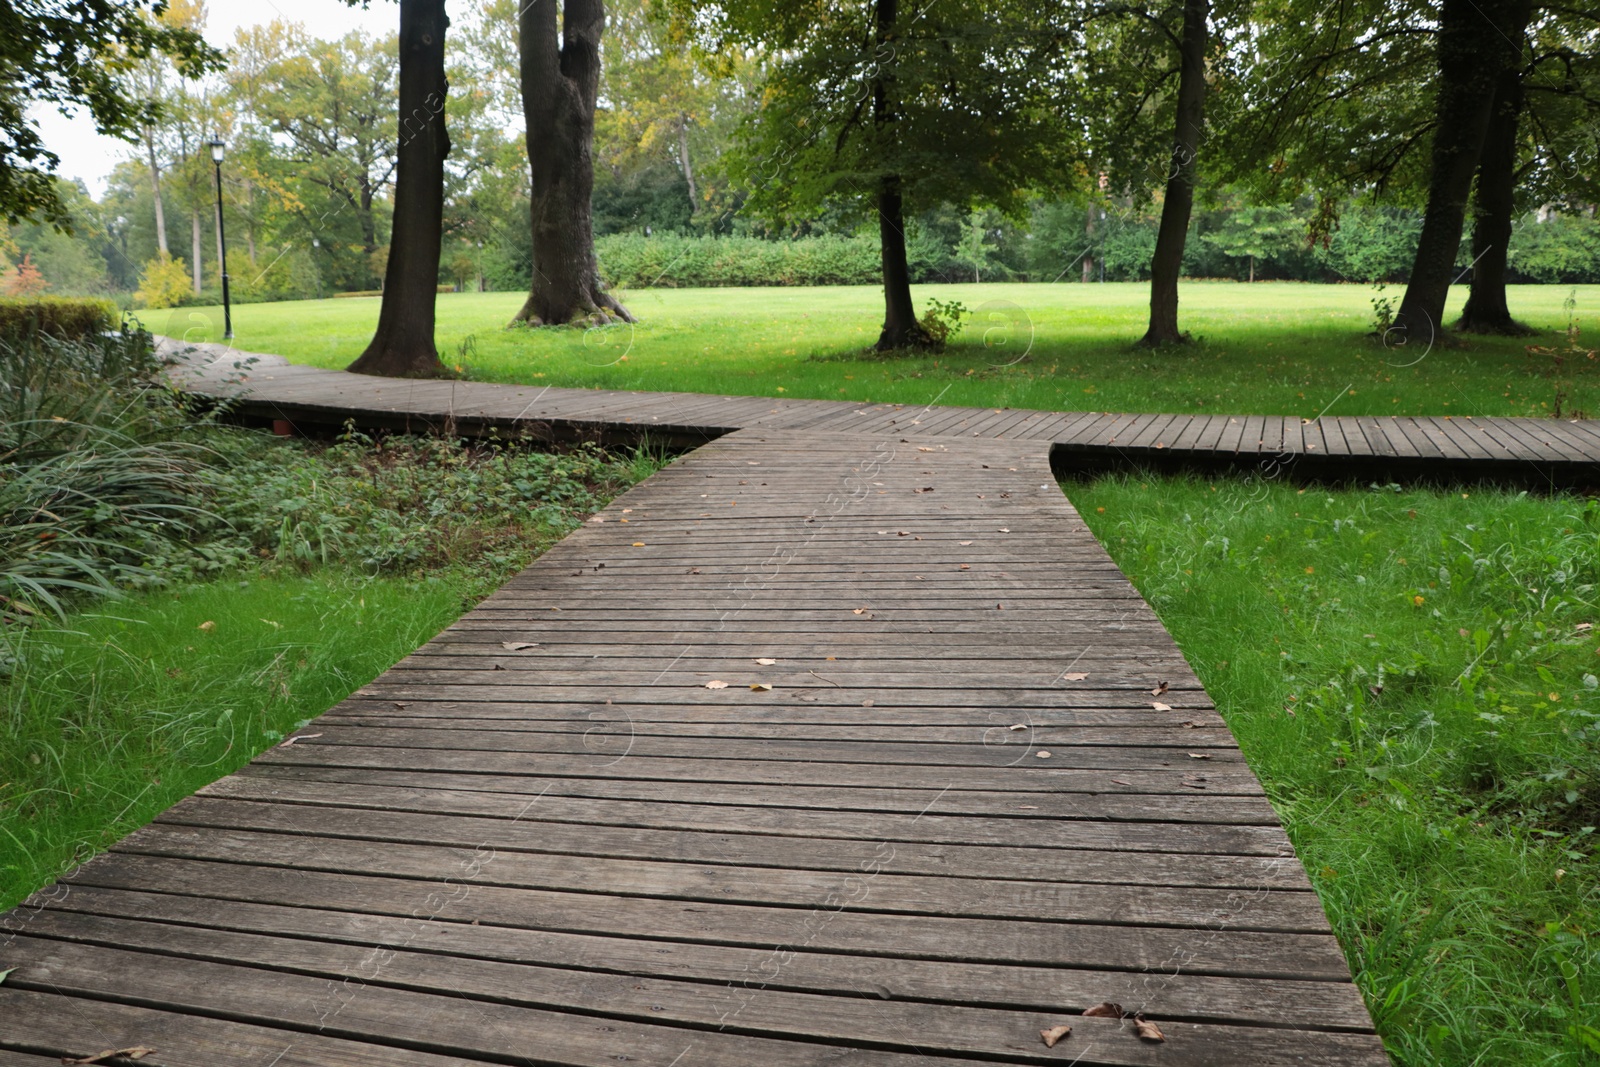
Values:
[(71, 53), (60, 317), (1562, 249), (635, 261), (164, 283), (942, 320), (1412, 674)]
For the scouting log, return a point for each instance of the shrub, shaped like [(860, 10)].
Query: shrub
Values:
[(164, 283), (61, 317), (670, 261)]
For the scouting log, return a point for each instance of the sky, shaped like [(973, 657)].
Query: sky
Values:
[(88, 156)]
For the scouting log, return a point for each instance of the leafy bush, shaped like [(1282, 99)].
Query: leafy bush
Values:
[(164, 283), (64, 318), (636, 261)]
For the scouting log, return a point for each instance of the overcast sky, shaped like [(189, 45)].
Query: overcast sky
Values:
[(85, 154)]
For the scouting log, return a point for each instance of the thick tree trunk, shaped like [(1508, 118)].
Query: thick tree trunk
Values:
[(1476, 42), (195, 246), (155, 191), (900, 326), (1167, 262), (688, 169), (402, 346), (560, 83), (1486, 310)]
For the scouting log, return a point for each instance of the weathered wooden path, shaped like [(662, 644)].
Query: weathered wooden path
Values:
[(1532, 452), (815, 748)]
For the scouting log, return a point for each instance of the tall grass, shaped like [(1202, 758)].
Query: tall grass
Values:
[(97, 467)]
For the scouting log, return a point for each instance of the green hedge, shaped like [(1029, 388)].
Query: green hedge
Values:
[(670, 261), (64, 317)]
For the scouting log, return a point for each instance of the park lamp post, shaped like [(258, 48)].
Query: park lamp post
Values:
[(217, 149)]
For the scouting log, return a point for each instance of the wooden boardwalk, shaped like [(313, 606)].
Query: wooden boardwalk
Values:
[(815, 748), (1533, 452)]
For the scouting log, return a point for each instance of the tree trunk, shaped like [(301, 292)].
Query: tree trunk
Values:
[(196, 246), (402, 346), (559, 89), (683, 157), (1476, 42), (1088, 256), (1486, 310), (1167, 263), (1252, 270), (155, 190), (250, 221), (900, 326)]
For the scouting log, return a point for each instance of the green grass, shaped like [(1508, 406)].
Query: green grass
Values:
[(1413, 676), (138, 703), (1268, 348)]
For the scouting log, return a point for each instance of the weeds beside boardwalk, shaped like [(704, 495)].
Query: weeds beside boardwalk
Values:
[(1412, 674), (1267, 349)]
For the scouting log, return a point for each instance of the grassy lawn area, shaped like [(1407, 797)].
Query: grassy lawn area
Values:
[(1413, 676), (1268, 348)]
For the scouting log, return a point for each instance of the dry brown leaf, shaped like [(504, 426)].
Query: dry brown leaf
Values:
[(858, 611), (1004, 529), (1161, 687), (137, 1052), (965, 567), (714, 684), (867, 703), (963, 543), (638, 544), (207, 626), (1147, 1030), (1199, 755), (1054, 1034), (766, 662), (1074, 676), (1189, 724), (1043, 753), (1104, 1010), (1017, 726), (1160, 706), (298, 737), (761, 687), (1584, 627), (401, 704), (518, 646), (921, 449)]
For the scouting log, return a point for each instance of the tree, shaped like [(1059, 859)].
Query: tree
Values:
[(560, 76), (70, 53), (1476, 43), (403, 345), (1188, 126), (878, 114)]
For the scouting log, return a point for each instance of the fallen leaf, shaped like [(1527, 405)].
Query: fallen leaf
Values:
[(1104, 1010), (763, 687), (1189, 724), (298, 737), (766, 662), (903, 533), (963, 543), (866, 703), (1199, 755), (921, 449), (1027, 807), (964, 567), (7, 972), (1054, 1034), (638, 544), (401, 704), (1160, 706), (1005, 529), (518, 646), (1147, 1030), (206, 626), (1043, 753), (1160, 688), (1017, 726), (1074, 676), (716, 685), (1583, 627), (858, 611), (137, 1052)]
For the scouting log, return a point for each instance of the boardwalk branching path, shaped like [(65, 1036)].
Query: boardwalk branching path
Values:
[(814, 748)]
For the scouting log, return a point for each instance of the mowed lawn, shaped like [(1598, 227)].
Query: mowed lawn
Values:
[(1268, 348)]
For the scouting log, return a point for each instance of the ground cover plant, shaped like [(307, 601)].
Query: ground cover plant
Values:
[(1412, 674), (1268, 348)]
